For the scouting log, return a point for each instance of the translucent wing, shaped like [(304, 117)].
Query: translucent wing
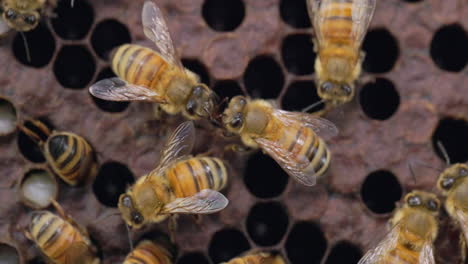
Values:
[(155, 28), (79, 253), (462, 219), (204, 202), (427, 254), (321, 126), (322, 12), (178, 145), (116, 89), (294, 166), (375, 255), (4, 28)]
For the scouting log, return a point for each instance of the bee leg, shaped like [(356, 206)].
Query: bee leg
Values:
[(462, 248), (172, 227)]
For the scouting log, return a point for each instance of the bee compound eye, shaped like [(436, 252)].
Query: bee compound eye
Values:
[(127, 201), (137, 218), (346, 88), (463, 172), (432, 205), (237, 120), (191, 105), (197, 90), (10, 14), (30, 19), (414, 200), (447, 183), (326, 86)]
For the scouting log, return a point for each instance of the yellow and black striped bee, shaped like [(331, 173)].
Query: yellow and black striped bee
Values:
[(148, 252), (340, 27), (257, 258), (414, 229), (288, 137), (60, 238), (181, 184), (24, 15), (157, 76), (70, 156)]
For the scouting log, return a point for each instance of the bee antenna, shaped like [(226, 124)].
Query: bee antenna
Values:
[(26, 47), (410, 167), (444, 152), (306, 109), (72, 3), (105, 217), (129, 237)]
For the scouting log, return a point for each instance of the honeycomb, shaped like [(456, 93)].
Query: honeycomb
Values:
[(411, 96)]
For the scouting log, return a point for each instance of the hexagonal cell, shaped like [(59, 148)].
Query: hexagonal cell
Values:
[(267, 223), (344, 252), (380, 99), (193, 258), (448, 48), (381, 49), (263, 77), (301, 94), (74, 66), (294, 13), (112, 180), (197, 67), (297, 52), (306, 244), (380, 191), (8, 117), (227, 244), (452, 134), (260, 170), (224, 15), (109, 106), (27, 146), (9, 254), (227, 89), (107, 35), (73, 22), (34, 48), (37, 188)]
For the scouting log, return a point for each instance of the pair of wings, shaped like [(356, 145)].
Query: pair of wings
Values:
[(155, 28), (178, 147), (361, 14), (297, 167), (378, 253)]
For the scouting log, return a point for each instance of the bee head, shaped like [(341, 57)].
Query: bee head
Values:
[(423, 200), (451, 176), (233, 116), (335, 92), (129, 212), (201, 102), (21, 21)]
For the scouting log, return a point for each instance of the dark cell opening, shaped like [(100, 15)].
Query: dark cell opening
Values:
[(452, 133), (448, 48), (306, 244), (381, 49), (227, 89), (197, 67), (73, 22), (74, 67), (193, 258), (298, 54), (380, 99), (262, 169), (41, 46), (107, 35), (36, 260), (263, 77), (9, 254), (8, 117), (301, 94), (267, 223), (109, 106), (227, 244), (112, 180), (224, 15), (380, 191), (344, 252), (294, 13), (28, 147)]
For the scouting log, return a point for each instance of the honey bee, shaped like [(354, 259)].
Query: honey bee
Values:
[(60, 238), (414, 229), (70, 156), (148, 252), (257, 258), (339, 28), (24, 15), (180, 184), (288, 137), (157, 76)]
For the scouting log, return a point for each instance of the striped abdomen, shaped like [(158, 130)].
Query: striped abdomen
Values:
[(140, 66), (190, 176), (400, 255), (148, 252), (70, 156), (259, 258), (56, 238), (337, 24)]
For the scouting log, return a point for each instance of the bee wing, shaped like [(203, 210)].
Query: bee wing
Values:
[(462, 219), (361, 15), (204, 202), (321, 126), (79, 253), (4, 28), (155, 28), (427, 254), (294, 167), (116, 89), (375, 255)]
